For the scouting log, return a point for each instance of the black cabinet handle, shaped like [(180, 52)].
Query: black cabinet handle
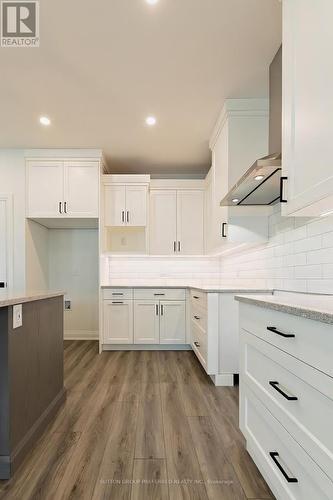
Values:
[(159, 294), (2, 284), (274, 455), (156, 309), (195, 297), (196, 344), (174, 246), (223, 233), (60, 207), (122, 216), (162, 309), (178, 246), (116, 302), (127, 217), (275, 330), (65, 205), (196, 317), (275, 386), (282, 179), (118, 294)]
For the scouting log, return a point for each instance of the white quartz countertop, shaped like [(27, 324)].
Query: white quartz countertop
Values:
[(205, 287), (315, 307), (12, 297)]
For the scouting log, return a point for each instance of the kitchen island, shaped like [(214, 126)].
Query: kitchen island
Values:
[(31, 371)]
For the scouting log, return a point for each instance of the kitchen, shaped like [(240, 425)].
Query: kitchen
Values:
[(185, 227)]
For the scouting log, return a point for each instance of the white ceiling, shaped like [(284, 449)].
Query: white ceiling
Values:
[(104, 65)]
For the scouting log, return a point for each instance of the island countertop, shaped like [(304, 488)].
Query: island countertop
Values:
[(13, 297), (315, 307)]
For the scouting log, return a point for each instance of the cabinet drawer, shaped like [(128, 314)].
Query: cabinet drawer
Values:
[(199, 344), (308, 340), (118, 294), (270, 374), (199, 315), (198, 297), (279, 457), (159, 293)]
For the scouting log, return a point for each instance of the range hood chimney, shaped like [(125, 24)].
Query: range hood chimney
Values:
[(266, 190)]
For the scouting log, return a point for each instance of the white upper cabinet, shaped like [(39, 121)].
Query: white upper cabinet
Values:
[(177, 221), (114, 205), (307, 76), (136, 205), (45, 188), (240, 137), (62, 189), (81, 188), (190, 222), (163, 221), (125, 205)]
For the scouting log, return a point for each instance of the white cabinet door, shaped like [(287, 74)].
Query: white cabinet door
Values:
[(114, 205), (172, 322), (163, 222), (190, 222), (136, 205), (81, 188), (45, 188), (118, 322), (146, 322), (307, 106)]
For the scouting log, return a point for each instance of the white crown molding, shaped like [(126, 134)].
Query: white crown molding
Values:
[(240, 108)]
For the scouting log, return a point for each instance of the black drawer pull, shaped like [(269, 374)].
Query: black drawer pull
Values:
[(195, 297), (117, 302), (274, 455), (196, 317), (275, 330), (118, 294), (275, 386), (159, 294), (196, 344)]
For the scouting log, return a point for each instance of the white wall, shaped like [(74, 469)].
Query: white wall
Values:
[(73, 267), (37, 256), (298, 257), (12, 181)]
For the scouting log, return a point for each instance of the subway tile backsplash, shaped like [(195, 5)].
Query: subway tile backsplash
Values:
[(298, 257)]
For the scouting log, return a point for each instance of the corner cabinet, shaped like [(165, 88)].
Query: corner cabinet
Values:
[(62, 189), (176, 221), (307, 80)]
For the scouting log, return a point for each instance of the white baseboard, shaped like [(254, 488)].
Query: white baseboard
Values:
[(146, 347), (223, 379), (80, 335)]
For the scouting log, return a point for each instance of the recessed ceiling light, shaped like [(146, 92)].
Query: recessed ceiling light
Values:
[(44, 120), (151, 121), (152, 2), (235, 200), (259, 177)]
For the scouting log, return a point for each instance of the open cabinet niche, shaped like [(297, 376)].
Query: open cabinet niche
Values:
[(125, 240), (66, 260)]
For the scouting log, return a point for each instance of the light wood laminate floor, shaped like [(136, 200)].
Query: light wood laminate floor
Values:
[(139, 425)]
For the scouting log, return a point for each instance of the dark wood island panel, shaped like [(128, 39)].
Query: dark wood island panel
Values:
[(31, 377)]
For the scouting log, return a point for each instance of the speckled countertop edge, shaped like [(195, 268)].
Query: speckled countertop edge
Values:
[(11, 299), (204, 288), (304, 311)]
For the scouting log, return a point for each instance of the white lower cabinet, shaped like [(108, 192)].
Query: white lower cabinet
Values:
[(146, 322), (118, 322), (151, 316), (286, 401), (172, 322)]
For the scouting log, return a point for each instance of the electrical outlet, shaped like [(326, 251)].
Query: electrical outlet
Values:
[(68, 305), (17, 316)]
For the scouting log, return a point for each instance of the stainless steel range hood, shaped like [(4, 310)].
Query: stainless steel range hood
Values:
[(261, 184)]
